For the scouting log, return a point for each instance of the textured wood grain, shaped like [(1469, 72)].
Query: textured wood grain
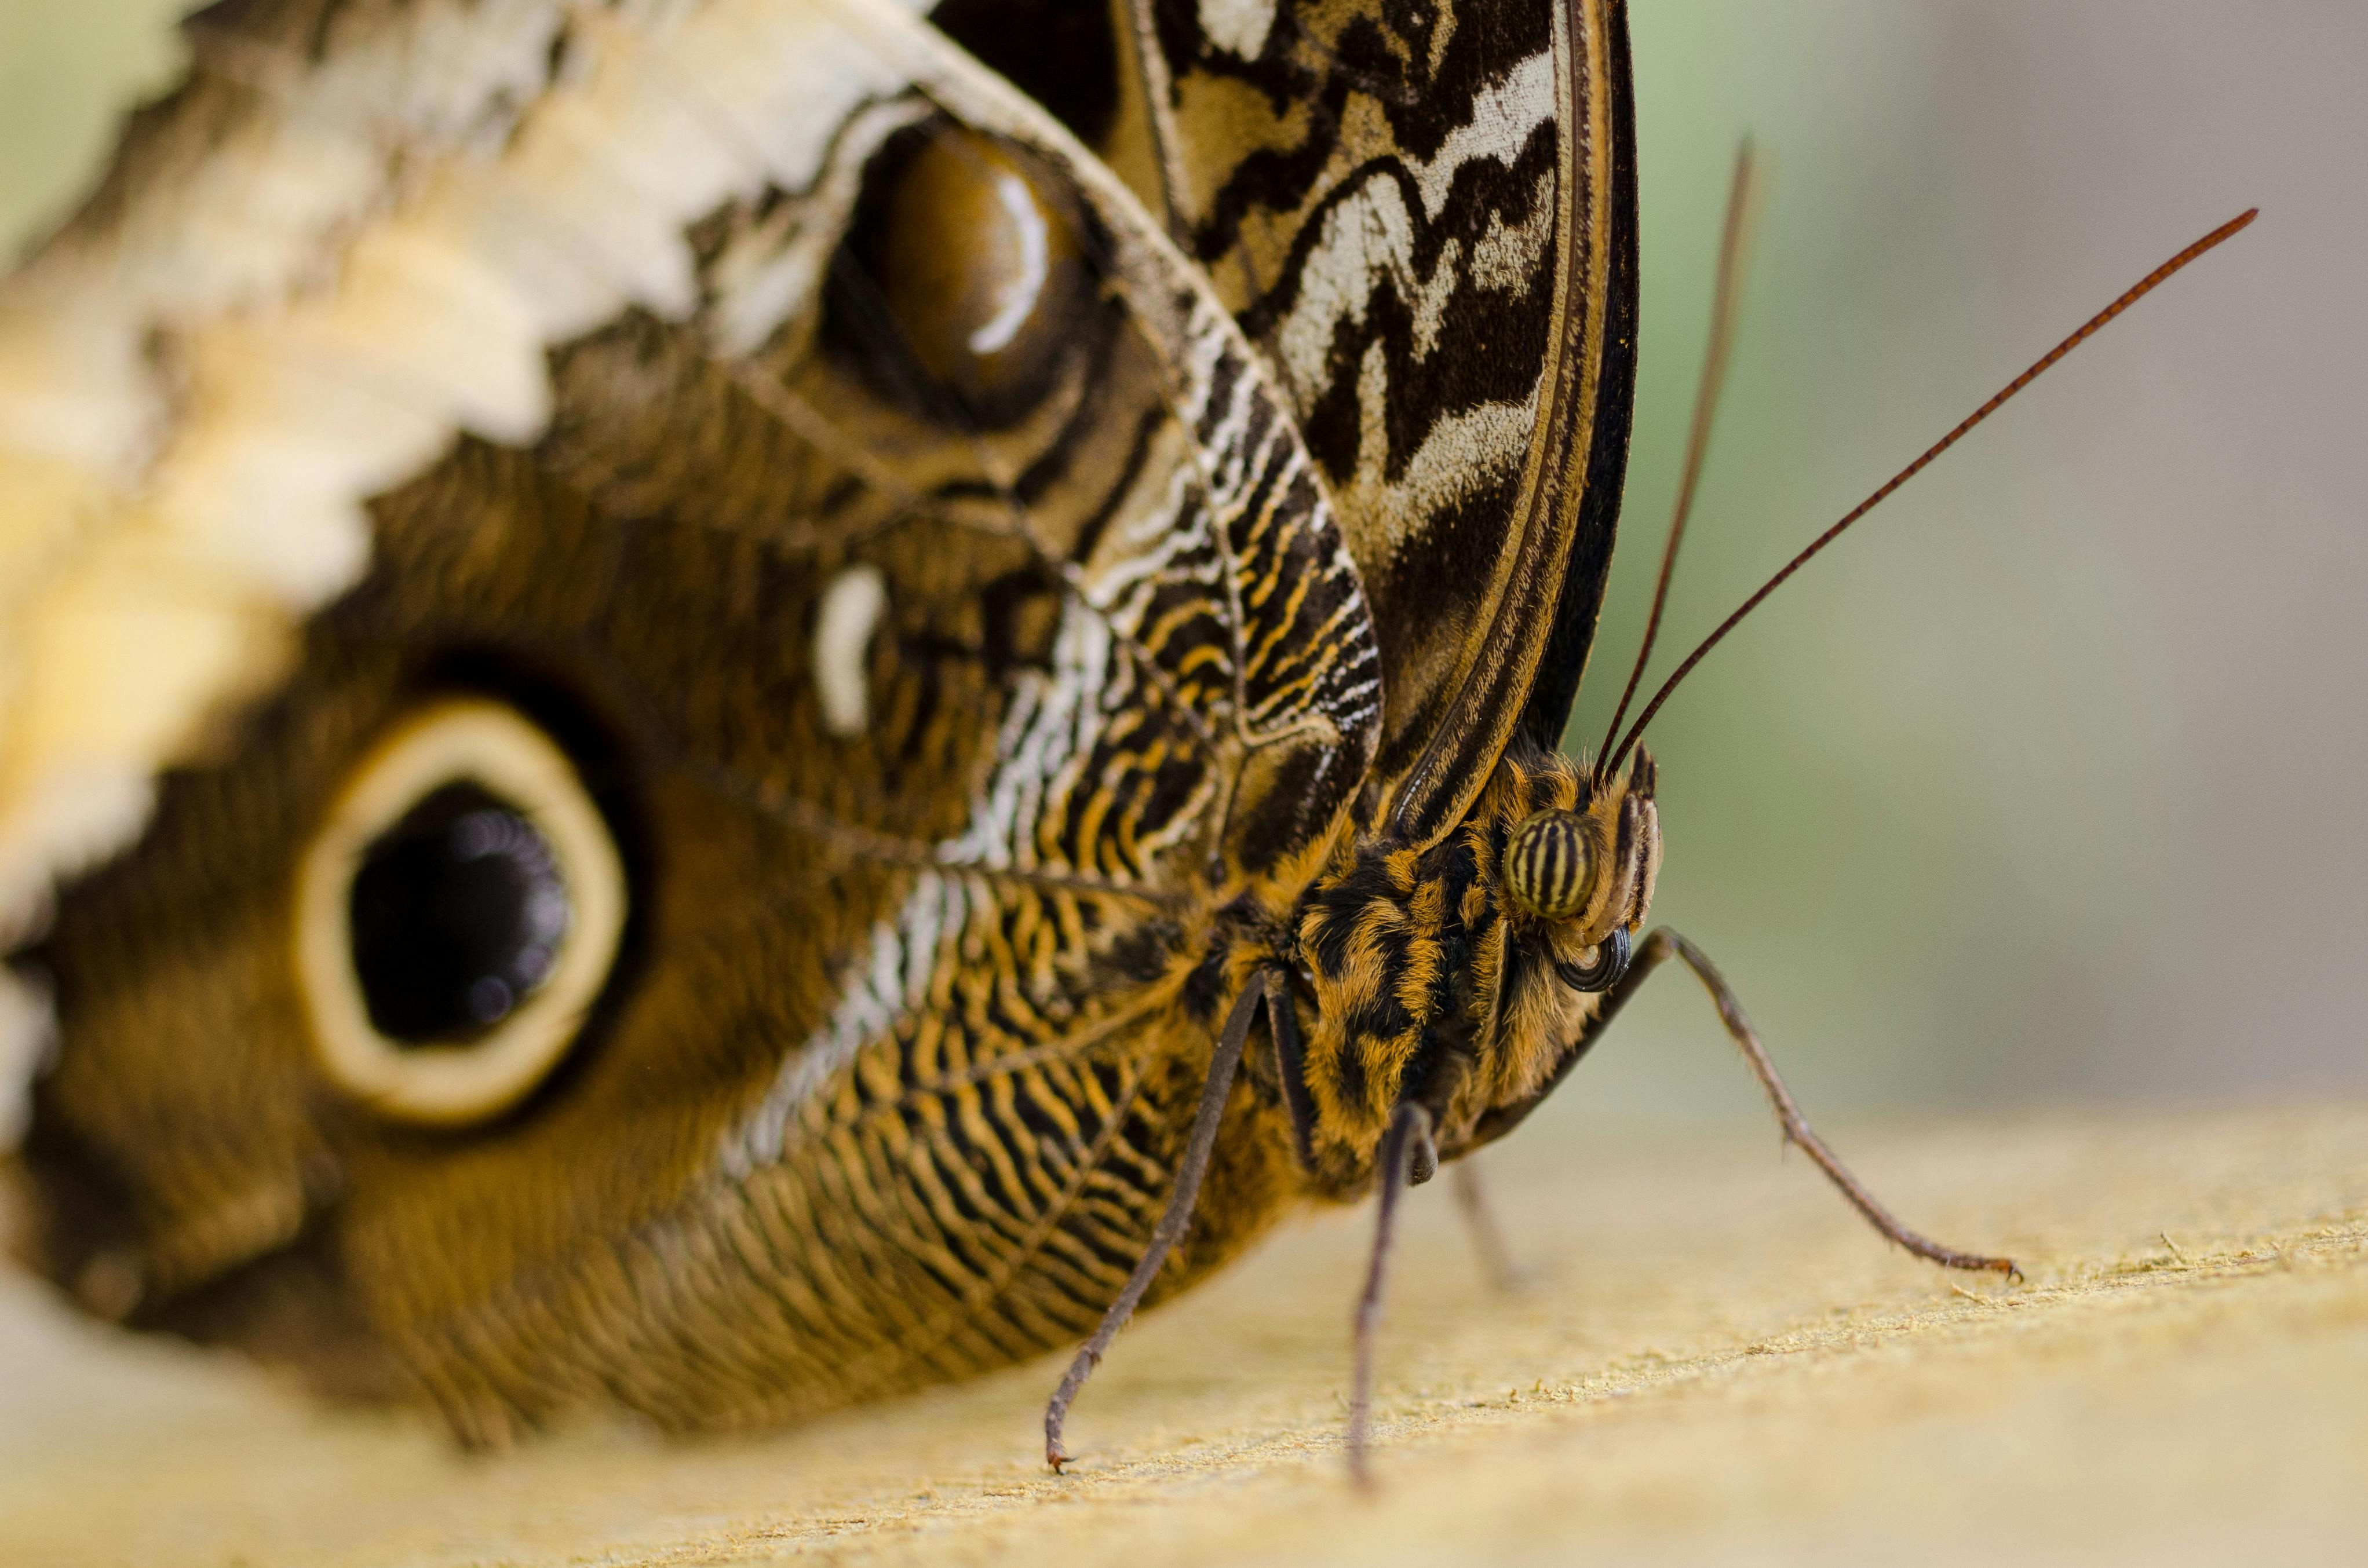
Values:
[(1718, 1363)]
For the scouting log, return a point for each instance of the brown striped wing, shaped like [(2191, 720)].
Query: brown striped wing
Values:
[(886, 1085), (1425, 214)]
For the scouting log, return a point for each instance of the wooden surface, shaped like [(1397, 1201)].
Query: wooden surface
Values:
[(1717, 1363)]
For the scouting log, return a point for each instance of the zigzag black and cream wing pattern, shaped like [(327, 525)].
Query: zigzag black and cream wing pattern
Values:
[(851, 601), (1425, 215)]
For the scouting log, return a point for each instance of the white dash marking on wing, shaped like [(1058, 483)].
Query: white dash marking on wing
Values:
[(851, 607)]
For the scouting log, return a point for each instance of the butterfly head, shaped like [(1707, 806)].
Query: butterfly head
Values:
[(1462, 975), (1583, 875)]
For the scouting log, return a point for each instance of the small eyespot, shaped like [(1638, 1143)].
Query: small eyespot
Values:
[(1550, 866), (457, 916), (960, 241)]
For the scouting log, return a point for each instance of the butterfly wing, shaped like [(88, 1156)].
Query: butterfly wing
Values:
[(928, 715), (939, 678), (1425, 215)]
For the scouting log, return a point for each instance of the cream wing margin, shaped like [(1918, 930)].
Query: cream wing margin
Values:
[(303, 280)]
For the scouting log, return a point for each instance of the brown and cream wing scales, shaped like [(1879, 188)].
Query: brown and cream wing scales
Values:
[(929, 718), (1425, 215)]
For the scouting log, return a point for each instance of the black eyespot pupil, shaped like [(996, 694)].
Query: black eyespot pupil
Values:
[(458, 914)]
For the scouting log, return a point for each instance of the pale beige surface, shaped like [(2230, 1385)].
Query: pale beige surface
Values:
[(1719, 1364)]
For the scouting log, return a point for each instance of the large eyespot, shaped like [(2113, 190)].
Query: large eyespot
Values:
[(960, 241), (456, 916), (1550, 866)]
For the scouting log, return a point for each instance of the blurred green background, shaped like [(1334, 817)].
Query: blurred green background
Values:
[(2046, 788)]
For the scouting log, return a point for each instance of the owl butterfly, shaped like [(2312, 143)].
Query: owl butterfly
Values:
[(702, 710)]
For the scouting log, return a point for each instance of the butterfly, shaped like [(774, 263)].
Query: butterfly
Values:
[(723, 706)]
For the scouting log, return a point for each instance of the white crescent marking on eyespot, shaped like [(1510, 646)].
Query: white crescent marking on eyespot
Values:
[(1021, 291)]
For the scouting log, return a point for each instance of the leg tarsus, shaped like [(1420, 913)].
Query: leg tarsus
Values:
[(1170, 1229), (1665, 943), (1408, 1134)]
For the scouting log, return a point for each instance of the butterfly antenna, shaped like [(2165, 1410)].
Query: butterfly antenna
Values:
[(1725, 304), (2138, 291)]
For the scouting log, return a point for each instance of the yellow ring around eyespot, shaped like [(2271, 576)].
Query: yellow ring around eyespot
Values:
[(486, 744)]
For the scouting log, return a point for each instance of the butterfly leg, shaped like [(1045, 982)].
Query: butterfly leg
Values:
[(1663, 944), (1405, 1147), (1198, 1146), (1480, 1223)]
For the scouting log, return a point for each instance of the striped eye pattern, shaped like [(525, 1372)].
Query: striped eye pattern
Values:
[(1550, 866)]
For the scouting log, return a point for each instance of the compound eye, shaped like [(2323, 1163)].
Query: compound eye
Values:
[(456, 916), (976, 260), (1550, 866)]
